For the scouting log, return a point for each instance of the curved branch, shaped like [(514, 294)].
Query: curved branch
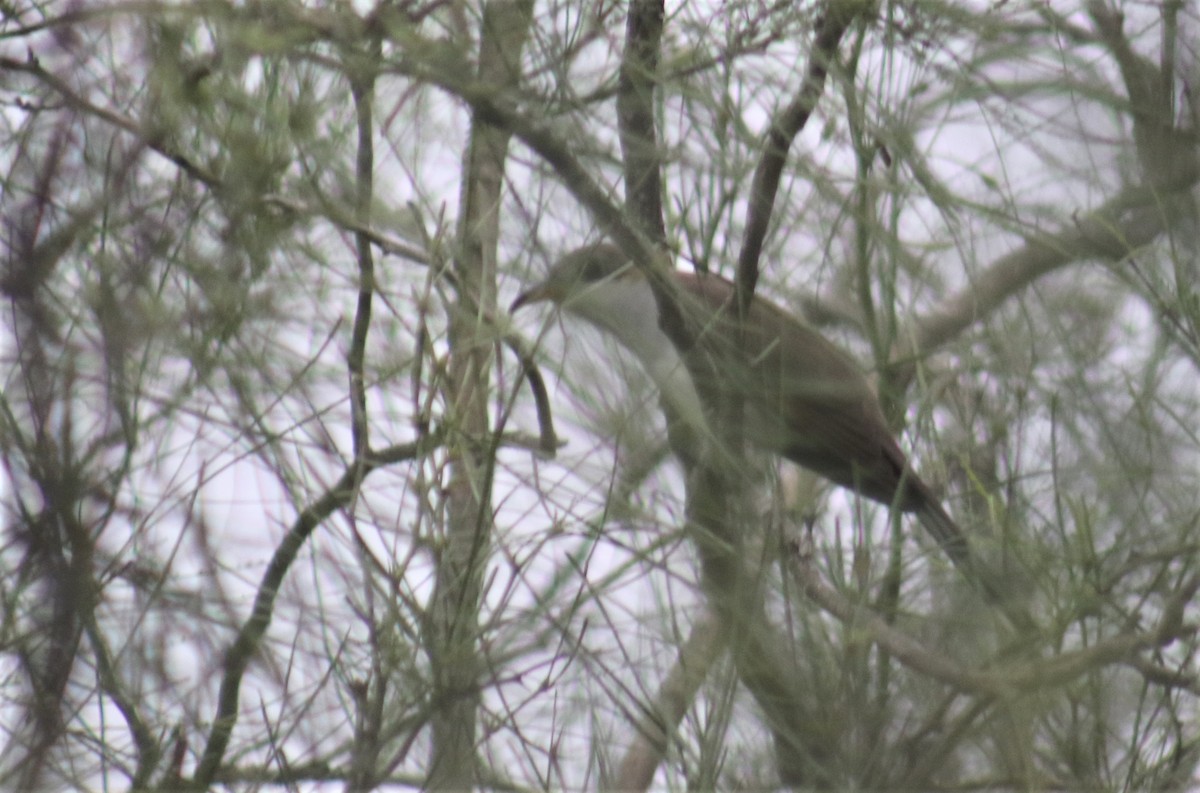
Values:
[(548, 442), (675, 695), (1132, 219), (249, 638)]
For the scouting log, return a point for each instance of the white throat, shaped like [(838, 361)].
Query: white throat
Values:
[(625, 308)]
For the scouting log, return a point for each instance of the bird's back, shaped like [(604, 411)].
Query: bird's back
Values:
[(805, 398)]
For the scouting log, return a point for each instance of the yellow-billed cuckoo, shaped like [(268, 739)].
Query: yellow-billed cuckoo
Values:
[(804, 398)]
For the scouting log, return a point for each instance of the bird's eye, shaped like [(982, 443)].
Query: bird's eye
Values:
[(594, 270)]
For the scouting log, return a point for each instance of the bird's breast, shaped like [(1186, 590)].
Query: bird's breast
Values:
[(627, 310)]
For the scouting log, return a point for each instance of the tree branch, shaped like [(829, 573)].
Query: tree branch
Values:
[(675, 695), (1001, 681), (452, 618), (785, 126), (1130, 220), (249, 637), (362, 87), (635, 115)]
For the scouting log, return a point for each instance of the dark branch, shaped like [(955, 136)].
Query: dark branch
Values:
[(635, 115), (249, 638), (786, 125)]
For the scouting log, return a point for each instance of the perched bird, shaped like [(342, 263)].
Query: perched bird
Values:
[(804, 398)]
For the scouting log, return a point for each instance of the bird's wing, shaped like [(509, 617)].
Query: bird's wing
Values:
[(806, 398)]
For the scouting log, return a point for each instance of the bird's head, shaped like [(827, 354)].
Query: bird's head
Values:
[(578, 273)]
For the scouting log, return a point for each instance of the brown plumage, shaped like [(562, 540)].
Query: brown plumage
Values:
[(805, 399)]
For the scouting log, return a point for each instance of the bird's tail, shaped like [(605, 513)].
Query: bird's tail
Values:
[(945, 532), (951, 539)]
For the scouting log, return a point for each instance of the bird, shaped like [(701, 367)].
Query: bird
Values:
[(805, 399)]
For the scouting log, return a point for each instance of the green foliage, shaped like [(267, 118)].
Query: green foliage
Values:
[(260, 528)]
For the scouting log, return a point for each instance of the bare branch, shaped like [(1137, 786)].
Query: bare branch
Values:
[(363, 87), (548, 442), (675, 696), (635, 114), (249, 637), (453, 615), (1119, 227), (785, 126)]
